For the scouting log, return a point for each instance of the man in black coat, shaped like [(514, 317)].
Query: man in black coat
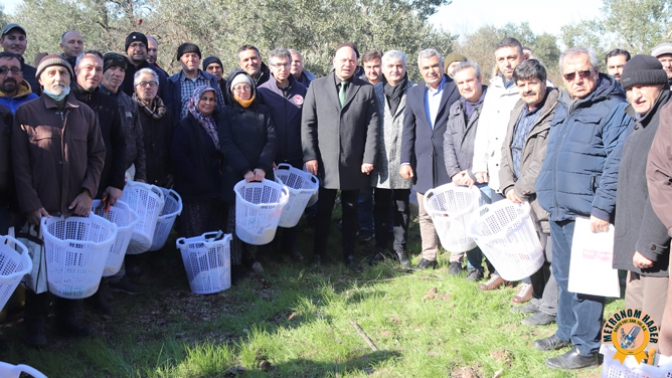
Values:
[(425, 120), (6, 180), (136, 49), (339, 134)]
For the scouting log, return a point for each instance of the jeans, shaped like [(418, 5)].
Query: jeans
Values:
[(365, 209)]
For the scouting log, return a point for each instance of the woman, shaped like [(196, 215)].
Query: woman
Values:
[(247, 140), (196, 159)]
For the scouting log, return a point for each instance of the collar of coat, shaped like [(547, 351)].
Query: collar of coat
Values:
[(70, 102)]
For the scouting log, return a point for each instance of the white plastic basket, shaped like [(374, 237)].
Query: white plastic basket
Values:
[(14, 264), (171, 209), (506, 235), (207, 262), (451, 207), (76, 250), (125, 219), (147, 202), (302, 186), (612, 368), (258, 210), (14, 371)]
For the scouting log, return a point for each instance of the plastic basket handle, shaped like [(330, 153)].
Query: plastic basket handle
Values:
[(30, 370), (284, 166)]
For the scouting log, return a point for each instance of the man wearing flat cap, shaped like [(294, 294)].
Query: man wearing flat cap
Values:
[(14, 39), (663, 53), (136, 50), (58, 155), (181, 85)]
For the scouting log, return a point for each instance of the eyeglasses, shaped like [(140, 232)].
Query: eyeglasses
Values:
[(13, 70), (152, 84), (572, 76), (242, 88), (281, 65)]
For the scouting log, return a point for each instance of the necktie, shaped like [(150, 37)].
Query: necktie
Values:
[(341, 92)]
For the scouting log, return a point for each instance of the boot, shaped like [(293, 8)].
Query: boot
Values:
[(403, 259), (67, 319), (36, 336)]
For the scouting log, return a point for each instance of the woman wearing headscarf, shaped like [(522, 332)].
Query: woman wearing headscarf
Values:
[(196, 160), (247, 140)]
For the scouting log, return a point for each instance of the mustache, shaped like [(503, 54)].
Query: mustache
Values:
[(527, 94), (10, 80)]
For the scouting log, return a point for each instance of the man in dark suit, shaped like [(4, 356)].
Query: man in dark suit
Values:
[(425, 119), (339, 134)]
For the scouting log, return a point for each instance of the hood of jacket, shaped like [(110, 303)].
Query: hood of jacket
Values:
[(24, 90)]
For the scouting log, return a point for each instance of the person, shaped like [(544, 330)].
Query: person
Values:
[(304, 76), (214, 66), (458, 149), (284, 96), (641, 243), (55, 179), (8, 202), (663, 53), (72, 44), (14, 39), (371, 62), (153, 53), (136, 50), (339, 135), (195, 154), (523, 152), (14, 89), (247, 141), (157, 127), (578, 179), (528, 53), (249, 61), (425, 120), (389, 186), (451, 61), (616, 60), (181, 86)]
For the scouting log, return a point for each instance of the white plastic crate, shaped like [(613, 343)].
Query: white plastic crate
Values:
[(14, 264), (125, 219), (630, 368), (258, 210), (302, 187), (451, 208), (171, 209), (147, 202), (14, 371), (207, 262)]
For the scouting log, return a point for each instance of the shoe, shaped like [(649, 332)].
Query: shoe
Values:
[(538, 319), (474, 275), (316, 260), (376, 258), (426, 264), (550, 343), (403, 259), (124, 285), (70, 326), (455, 268), (529, 308), (133, 270), (295, 256), (36, 336), (353, 265), (365, 236), (573, 360), (523, 295), (99, 302), (238, 273), (257, 268), (494, 282)]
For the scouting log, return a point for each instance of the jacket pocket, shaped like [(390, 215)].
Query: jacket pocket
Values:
[(584, 129)]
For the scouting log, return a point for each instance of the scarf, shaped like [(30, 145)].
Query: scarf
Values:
[(244, 103), (394, 94), (207, 122), (156, 110)]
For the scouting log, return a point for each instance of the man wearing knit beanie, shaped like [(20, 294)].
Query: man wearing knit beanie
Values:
[(136, 50), (451, 61), (214, 66)]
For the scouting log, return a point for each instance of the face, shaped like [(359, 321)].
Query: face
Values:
[(147, 87), (72, 44), (243, 91), (508, 58), (528, 54), (190, 62), (666, 61), (451, 68), (114, 77), (615, 66), (431, 70), (137, 51), (532, 91), (14, 41), (280, 68), (152, 50), (215, 69), (373, 71), (250, 62), (468, 84), (89, 72), (582, 74), (394, 71), (9, 80), (297, 65), (55, 79), (642, 97), (345, 63), (207, 103)]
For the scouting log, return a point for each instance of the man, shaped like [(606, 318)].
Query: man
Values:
[(72, 44), (303, 76), (578, 179), (14, 40), (425, 119), (181, 85), (523, 152), (7, 187), (284, 96), (458, 149), (153, 53), (14, 90), (616, 60), (641, 244), (136, 50), (663, 53), (371, 61), (249, 60), (55, 179), (339, 131), (528, 53), (451, 61), (214, 66)]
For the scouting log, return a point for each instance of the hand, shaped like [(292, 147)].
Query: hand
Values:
[(511, 195), (457, 178), (169, 183), (481, 177), (466, 180), (311, 166), (639, 261), (367, 168), (275, 166), (406, 171), (598, 225), (259, 174), (82, 203), (249, 176), (113, 195), (34, 217)]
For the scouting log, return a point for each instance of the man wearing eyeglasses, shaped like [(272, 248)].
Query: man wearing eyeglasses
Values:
[(136, 50), (14, 90), (578, 179), (14, 39)]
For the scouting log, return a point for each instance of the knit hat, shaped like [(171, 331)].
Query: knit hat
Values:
[(114, 60), (643, 70), (188, 48), (53, 60), (452, 58), (662, 49), (240, 78), (350, 45), (135, 37), (211, 59)]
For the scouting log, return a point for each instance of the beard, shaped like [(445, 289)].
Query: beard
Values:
[(9, 85)]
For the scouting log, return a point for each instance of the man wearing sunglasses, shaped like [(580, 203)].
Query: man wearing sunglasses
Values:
[(578, 179), (14, 90)]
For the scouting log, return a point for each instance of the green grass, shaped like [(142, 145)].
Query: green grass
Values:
[(299, 321)]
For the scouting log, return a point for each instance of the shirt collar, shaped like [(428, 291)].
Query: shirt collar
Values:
[(184, 77), (439, 88)]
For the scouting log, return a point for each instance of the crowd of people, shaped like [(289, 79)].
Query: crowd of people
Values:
[(80, 123)]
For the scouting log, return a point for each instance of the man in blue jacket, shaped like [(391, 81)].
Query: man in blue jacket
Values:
[(578, 179), (14, 90)]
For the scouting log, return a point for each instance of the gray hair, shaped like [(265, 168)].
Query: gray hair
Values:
[(136, 78), (580, 50), (428, 53), (280, 52), (468, 64), (394, 56), (153, 39)]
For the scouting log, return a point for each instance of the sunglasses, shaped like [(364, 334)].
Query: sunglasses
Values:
[(572, 76)]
